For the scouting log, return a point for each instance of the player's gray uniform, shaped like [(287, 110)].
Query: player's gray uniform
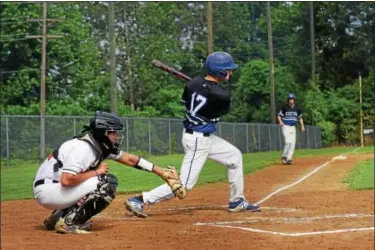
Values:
[(289, 116), (205, 102)]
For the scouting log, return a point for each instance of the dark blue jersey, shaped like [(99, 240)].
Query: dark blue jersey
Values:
[(290, 115), (205, 102)]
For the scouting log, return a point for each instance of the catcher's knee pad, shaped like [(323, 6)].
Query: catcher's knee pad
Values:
[(94, 202)]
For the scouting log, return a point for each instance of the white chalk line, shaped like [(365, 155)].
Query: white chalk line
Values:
[(297, 234), (285, 220), (339, 157), (226, 206), (106, 215)]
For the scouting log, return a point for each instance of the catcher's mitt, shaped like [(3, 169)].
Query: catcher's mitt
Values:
[(172, 178)]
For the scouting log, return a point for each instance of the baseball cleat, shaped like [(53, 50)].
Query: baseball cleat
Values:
[(289, 162), (284, 160), (51, 221), (62, 228), (242, 205), (135, 206)]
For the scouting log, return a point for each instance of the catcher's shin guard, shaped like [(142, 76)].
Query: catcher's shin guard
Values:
[(94, 202)]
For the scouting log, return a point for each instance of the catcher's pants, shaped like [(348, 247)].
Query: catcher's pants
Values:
[(289, 133), (54, 196), (197, 149)]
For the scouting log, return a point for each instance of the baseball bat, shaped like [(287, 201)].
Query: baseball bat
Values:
[(170, 70)]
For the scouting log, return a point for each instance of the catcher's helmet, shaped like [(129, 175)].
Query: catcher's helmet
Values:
[(104, 122), (218, 63), (291, 96)]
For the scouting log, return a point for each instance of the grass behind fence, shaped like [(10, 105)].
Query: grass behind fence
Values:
[(16, 180)]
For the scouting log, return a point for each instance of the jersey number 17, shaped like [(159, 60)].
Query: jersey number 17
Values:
[(197, 102)]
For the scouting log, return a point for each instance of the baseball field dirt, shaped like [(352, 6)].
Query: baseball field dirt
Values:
[(317, 213)]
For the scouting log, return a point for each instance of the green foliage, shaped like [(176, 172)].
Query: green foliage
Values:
[(252, 91), (328, 132), (176, 32)]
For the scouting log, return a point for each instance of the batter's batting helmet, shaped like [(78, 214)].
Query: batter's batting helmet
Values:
[(291, 96), (218, 63)]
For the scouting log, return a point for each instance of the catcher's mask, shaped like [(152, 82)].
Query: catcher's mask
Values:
[(106, 128)]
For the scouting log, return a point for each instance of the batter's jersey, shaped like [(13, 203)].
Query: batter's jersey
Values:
[(76, 156), (290, 115), (205, 102)]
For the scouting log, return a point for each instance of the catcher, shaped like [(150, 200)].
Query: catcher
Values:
[(75, 183)]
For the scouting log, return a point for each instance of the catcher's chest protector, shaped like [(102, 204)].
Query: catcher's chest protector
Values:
[(99, 154)]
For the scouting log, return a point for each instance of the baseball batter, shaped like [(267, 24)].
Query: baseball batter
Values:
[(205, 102), (75, 183), (288, 116)]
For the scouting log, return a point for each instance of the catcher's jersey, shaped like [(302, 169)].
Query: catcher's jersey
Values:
[(290, 115), (205, 102), (76, 156)]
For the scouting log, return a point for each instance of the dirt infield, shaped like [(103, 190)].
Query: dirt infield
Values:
[(320, 205)]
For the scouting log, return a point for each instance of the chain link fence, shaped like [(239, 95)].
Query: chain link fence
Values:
[(20, 136)]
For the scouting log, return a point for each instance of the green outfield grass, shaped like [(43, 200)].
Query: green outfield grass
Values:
[(16, 180), (362, 176)]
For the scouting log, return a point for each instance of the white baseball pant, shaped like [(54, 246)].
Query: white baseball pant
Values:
[(55, 196), (197, 149), (289, 133)]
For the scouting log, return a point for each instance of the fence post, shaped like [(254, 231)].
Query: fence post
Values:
[(259, 136), (307, 135), (74, 126), (170, 139), (7, 137), (269, 135), (127, 134), (42, 136), (247, 137), (149, 136), (314, 137)]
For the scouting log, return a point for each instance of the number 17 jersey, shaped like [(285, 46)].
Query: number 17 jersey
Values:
[(205, 102)]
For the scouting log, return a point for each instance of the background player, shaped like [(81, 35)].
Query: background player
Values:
[(205, 102), (76, 184), (288, 116)]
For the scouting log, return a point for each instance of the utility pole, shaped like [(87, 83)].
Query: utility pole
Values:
[(360, 111), (44, 37), (112, 57), (271, 66), (312, 41), (209, 27), (128, 64)]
